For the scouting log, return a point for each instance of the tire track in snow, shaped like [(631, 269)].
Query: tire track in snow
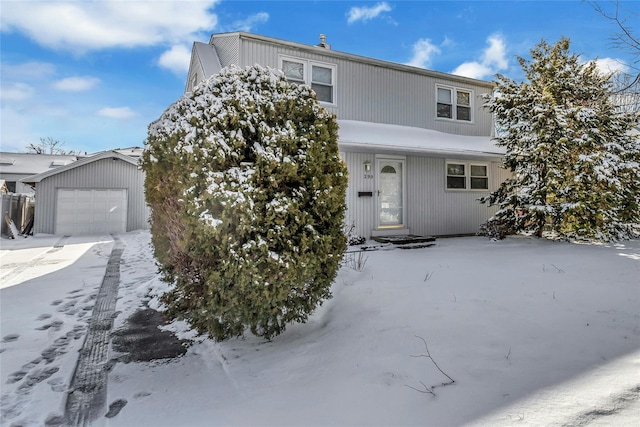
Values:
[(88, 391)]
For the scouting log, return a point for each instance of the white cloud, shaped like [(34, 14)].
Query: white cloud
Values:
[(84, 26), (28, 70), (15, 91), (117, 112), (176, 59), (250, 22), (76, 84), (495, 54), (492, 60), (611, 65), (473, 69), (365, 13), (423, 52)]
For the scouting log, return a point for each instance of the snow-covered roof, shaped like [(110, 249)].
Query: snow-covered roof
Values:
[(29, 164), (80, 162), (367, 137)]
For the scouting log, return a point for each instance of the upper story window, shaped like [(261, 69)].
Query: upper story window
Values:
[(467, 176), (320, 76), (454, 103), (293, 70)]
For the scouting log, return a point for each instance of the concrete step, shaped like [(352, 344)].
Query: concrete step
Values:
[(404, 240), (385, 243)]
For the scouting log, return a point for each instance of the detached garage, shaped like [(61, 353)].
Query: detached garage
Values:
[(101, 194)]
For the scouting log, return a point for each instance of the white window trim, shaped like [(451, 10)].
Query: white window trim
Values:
[(305, 67), (467, 175), (306, 70), (454, 99)]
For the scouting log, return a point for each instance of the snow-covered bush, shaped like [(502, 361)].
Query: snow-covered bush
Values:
[(247, 192), (574, 155)]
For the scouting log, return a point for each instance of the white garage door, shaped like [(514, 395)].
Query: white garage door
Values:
[(91, 211)]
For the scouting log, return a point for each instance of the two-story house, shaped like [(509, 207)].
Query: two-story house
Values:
[(417, 143)]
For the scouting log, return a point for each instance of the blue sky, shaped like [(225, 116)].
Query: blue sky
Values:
[(94, 74)]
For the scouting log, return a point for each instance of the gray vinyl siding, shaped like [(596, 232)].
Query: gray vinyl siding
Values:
[(101, 174), (228, 49), (431, 209), (371, 91), (434, 210), (361, 210), (196, 72)]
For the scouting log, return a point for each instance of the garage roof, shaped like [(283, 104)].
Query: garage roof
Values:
[(81, 162), (29, 163)]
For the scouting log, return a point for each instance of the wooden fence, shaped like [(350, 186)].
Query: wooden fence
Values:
[(20, 208)]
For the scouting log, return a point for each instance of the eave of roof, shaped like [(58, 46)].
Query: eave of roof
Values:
[(80, 162), (357, 58)]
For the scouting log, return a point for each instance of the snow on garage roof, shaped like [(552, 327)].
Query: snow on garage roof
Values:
[(367, 136)]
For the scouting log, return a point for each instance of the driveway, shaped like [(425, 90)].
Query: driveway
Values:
[(49, 285)]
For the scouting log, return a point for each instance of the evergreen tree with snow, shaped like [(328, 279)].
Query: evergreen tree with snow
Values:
[(247, 195), (574, 155)]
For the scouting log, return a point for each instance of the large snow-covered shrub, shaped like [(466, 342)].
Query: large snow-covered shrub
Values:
[(247, 192), (574, 155)]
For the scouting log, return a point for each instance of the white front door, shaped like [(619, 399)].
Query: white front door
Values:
[(390, 193)]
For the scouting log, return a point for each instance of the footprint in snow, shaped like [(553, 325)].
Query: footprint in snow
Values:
[(37, 377), (10, 338), (141, 395), (56, 325), (115, 407)]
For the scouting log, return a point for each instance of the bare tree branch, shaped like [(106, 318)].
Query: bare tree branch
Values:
[(626, 86), (624, 37), (47, 146), (428, 355)]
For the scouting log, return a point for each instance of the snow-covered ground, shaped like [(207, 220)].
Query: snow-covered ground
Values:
[(531, 332)]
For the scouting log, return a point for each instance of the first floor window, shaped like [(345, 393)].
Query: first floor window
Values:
[(456, 177), (467, 176), (479, 177)]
